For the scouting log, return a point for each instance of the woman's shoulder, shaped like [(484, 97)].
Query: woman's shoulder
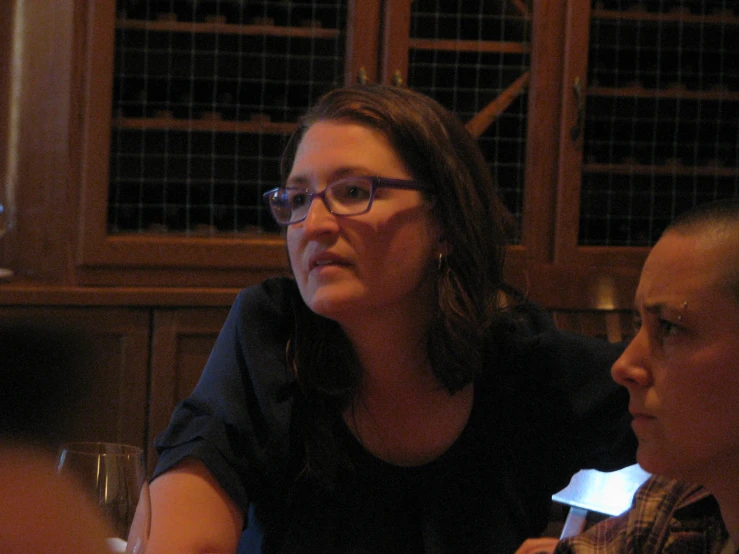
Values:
[(532, 332), (529, 351), (272, 300), (273, 291)]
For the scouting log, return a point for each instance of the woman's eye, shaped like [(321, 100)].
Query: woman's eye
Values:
[(667, 328), (351, 192), (298, 200)]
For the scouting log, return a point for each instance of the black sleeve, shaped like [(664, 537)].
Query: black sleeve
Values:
[(238, 410)]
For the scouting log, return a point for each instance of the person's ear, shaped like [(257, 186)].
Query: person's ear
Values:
[(443, 247)]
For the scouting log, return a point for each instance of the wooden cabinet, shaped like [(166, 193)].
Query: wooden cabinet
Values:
[(116, 386), (186, 110), (499, 65), (145, 133), (650, 122), (144, 361), (202, 96), (475, 59), (146, 159), (181, 343)]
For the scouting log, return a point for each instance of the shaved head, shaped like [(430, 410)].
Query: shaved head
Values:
[(718, 224)]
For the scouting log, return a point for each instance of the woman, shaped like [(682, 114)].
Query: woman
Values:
[(682, 374), (384, 400)]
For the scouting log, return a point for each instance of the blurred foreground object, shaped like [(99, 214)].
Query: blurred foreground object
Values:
[(44, 376), (40, 511)]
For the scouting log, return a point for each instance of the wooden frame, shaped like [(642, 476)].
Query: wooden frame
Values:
[(541, 135), (39, 246), (566, 249), (181, 342), (362, 41), (65, 169), (543, 83), (101, 257)]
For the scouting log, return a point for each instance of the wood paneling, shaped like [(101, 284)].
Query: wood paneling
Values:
[(40, 245), (182, 341), (575, 287), (544, 113), (362, 41), (114, 409)]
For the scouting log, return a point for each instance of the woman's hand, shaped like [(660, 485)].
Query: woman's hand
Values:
[(544, 545)]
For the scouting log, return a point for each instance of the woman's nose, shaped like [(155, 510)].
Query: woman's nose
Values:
[(631, 369), (319, 218)]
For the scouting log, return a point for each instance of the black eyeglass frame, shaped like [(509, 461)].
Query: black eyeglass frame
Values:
[(375, 183)]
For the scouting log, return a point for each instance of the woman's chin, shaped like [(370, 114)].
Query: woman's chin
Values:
[(332, 305), (654, 461)]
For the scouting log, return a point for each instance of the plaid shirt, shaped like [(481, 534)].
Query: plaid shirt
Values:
[(667, 516)]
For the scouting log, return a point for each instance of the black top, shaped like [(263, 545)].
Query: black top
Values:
[(544, 408)]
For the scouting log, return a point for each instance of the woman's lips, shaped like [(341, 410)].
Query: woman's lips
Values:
[(326, 259), (641, 421)]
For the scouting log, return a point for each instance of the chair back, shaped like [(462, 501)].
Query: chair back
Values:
[(594, 494)]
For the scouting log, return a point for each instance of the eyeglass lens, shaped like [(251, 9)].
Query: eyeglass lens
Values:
[(345, 197)]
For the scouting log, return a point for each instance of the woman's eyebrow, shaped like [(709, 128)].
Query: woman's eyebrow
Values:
[(662, 309), (304, 181), (297, 181)]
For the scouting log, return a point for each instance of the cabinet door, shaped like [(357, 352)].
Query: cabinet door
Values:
[(650, 122), (182, 341), (186, 112), (475, 58), (114, 407)]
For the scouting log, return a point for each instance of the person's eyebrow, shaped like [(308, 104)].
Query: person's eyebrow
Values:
[(662, 309), (303, 181), (297, 181)]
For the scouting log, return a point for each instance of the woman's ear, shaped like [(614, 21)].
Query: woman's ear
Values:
[(444, 247)]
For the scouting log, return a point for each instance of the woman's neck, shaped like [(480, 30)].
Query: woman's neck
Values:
[(402, 413), (392, 349)]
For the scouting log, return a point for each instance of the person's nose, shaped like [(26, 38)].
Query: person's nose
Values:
[(319, 218), (631, 369)]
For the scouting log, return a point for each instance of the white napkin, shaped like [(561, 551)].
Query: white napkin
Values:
[(116, 545)]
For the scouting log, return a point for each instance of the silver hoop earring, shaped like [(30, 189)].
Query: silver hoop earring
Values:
[(682, 313)]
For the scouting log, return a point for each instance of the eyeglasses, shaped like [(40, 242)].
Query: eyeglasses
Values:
[(351, 196)]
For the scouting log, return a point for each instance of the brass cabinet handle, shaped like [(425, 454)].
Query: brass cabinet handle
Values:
[(580, 101), (362, 78)]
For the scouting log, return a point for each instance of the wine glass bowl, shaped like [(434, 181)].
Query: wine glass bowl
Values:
[(7, 216), (114, 475), (7, 211)]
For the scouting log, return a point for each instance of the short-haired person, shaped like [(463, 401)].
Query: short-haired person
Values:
[(682, 374), (383, 399)]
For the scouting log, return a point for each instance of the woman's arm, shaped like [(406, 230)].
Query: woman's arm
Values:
[(191, 513)]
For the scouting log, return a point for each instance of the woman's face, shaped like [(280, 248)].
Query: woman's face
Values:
[(682, 368), (349, 267)]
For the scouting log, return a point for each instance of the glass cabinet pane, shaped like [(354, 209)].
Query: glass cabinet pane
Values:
[(466, 55), (204, 95), (662, 117)]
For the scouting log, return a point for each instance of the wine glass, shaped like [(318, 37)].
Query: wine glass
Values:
[(115, 476), (7, 215)]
